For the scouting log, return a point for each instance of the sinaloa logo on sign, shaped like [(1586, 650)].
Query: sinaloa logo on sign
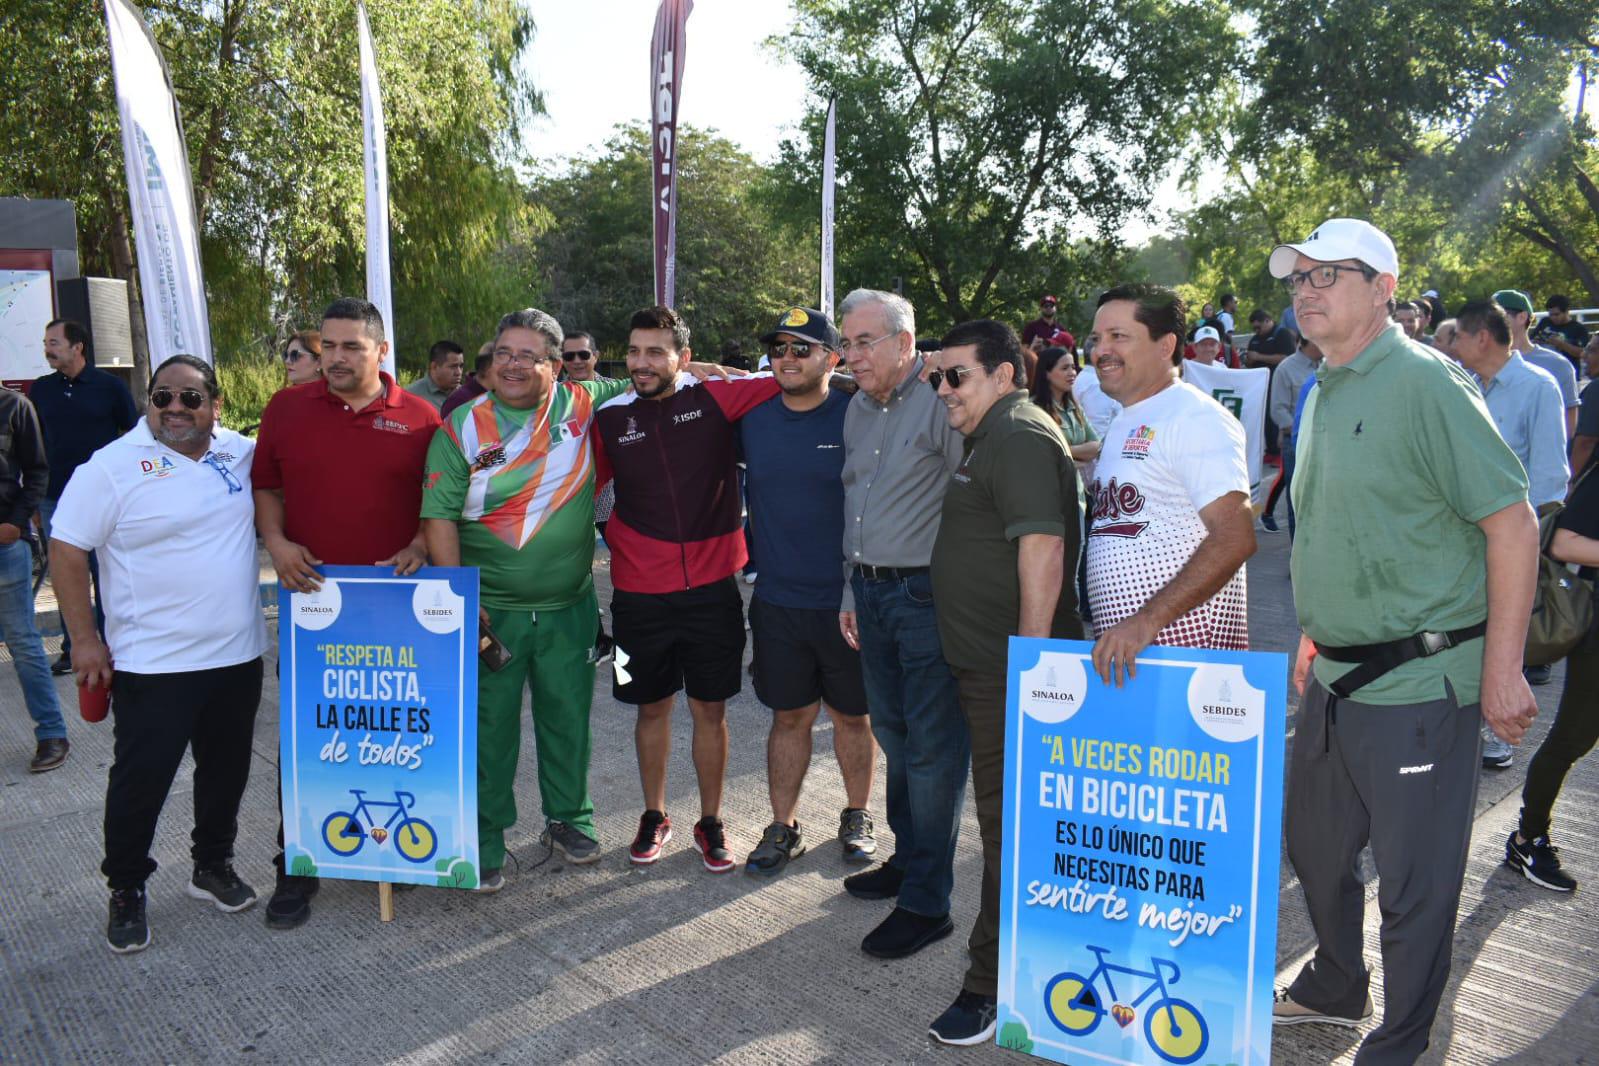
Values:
[(1053, 690), (437, 608), (1224, 704), (319, 609)]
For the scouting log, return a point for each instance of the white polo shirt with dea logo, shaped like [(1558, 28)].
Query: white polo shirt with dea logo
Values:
[(176, 540)]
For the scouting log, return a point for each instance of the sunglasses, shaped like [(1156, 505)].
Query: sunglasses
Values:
[(798, 349), (193, 399), (295, 355), (582, 356), (957, 376)]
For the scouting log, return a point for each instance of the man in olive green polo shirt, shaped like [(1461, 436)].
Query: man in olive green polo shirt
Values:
[(1008, 536), (1415, 536)]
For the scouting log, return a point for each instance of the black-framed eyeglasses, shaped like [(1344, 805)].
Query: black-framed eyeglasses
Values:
[(193, 399), (957, 376), (582, 356), (798, 349), (1323, 277), (232, 479)]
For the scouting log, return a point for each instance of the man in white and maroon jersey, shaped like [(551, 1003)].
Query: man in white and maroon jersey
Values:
[(1170, 524)]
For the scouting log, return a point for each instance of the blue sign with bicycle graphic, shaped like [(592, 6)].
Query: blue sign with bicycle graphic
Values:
[(1139, 875), (378, 726)]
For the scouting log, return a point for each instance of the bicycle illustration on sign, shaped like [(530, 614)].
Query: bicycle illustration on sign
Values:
[(344, 832), (1173, 1027)]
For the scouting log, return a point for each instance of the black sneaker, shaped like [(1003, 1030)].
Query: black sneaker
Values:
[(779, 844), (880, 883), (577, 847), (1269, 523), (971, 1019), (62, 666), (290, 904), (127, 931), (1539, 862), (218, 883), (855, 833)]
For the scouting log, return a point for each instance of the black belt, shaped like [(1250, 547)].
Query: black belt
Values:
[(1375, 660), (888, 573)]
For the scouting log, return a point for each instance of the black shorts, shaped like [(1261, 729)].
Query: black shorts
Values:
[(691, 640), (801, 657)]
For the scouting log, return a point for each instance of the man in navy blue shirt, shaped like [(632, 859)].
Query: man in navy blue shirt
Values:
[(794, 448), (82, 410)]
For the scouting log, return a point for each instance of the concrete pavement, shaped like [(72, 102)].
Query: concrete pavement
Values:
[(609, 964)]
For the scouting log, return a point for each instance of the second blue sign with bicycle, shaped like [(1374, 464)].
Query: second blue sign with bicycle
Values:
[(378, 726), (1139, 875)]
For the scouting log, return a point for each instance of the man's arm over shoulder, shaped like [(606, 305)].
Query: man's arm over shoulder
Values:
[(740, 396)]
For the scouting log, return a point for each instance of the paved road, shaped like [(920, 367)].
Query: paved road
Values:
[(608, 964)]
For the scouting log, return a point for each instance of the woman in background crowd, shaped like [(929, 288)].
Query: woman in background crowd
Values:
[(1052, 390), (302, 358)]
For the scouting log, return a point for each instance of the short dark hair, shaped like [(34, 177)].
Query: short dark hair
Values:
[(1557, 302), (74, 330), (1224, 299), (355, 309), (1160, 310), (207, 372), (659, 317), (1259, 314), (442, 350), (482, 362), (997, 345), (588, 338), (1479, 315)]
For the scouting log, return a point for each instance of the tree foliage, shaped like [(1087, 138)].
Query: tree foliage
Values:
[(980, 140), (269, 94), (736, 268)]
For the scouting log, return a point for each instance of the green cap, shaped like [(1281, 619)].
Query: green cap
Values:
[(1513, 300)]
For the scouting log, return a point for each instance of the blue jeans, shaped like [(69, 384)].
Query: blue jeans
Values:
[(916, 717), (22, 637), (47, 510)]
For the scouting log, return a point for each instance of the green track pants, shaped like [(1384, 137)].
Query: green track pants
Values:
[(550, 656)]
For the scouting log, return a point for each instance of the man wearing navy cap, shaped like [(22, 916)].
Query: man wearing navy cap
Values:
[(794, 447)]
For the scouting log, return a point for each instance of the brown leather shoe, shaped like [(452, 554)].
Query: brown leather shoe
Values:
[(51, 754)]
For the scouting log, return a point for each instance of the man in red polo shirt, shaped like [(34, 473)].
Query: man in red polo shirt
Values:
[(338, 479)]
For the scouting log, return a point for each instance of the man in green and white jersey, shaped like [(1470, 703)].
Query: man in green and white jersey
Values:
[(509, 489)]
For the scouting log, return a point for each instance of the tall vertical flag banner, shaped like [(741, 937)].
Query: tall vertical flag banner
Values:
[(165, 225), (828, 142), (376, 151), (666, 87)]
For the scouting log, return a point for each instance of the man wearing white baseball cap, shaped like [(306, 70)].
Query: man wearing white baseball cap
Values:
[(1413, 574)]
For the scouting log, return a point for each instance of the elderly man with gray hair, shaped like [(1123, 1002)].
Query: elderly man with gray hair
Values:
[(899, 451), (509, 489)]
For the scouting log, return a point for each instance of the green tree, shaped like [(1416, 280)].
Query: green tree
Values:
[(736, 268), (269, 94), (980, 140)]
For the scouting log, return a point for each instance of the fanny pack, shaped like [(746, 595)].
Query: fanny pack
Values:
[(1375, 660)]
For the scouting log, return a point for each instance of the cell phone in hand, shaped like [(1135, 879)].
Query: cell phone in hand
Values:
[(491, 650)]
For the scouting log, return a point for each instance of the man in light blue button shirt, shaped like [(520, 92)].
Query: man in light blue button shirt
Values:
[(1523, 399)]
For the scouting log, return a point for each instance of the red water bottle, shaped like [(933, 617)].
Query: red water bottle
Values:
[(94, 701)]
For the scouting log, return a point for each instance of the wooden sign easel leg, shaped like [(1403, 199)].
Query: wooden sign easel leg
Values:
[(385, 901)]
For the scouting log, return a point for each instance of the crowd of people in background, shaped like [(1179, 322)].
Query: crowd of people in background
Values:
[(913, 505)]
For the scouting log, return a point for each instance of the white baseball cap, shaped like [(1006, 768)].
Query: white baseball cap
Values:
[(1339, 238), (1206, 333)]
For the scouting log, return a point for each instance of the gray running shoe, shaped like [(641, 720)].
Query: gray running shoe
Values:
[(575, 846), (779, 844), (1496, 754), (855, 833)]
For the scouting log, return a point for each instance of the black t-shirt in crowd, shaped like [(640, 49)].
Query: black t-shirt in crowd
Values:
[(1581, 514), (1280, 341)]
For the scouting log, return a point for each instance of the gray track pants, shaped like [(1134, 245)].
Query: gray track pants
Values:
[(1405, 779)]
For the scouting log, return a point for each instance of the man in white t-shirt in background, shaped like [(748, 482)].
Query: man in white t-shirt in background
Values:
[(1170, 524), (168, 508)]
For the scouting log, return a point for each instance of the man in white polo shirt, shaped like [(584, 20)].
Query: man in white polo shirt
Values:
[(169, 510)]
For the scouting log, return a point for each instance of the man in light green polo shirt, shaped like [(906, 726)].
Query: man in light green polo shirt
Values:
[(1414, 536)]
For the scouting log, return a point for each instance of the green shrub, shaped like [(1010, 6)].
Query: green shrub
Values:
[(248, 381)]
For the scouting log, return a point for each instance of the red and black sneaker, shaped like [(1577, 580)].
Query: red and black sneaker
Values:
[(712, 846), (654, 830)]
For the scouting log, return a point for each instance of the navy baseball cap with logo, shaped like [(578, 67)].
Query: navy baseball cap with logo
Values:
[(806, 323)]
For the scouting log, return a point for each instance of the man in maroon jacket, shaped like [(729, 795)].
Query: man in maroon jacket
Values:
[(677, 539)]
